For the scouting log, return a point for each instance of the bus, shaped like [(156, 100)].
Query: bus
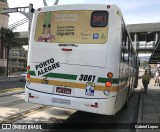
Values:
[(81, 57)]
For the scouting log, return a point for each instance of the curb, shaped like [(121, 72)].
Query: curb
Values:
[(140, 114), (10, 93)]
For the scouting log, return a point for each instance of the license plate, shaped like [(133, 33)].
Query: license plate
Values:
[(63, 90)]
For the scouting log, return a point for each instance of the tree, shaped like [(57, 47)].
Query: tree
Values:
[(9, 40)]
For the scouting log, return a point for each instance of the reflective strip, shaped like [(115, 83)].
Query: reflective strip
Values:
[(75, 85), (61, 76), (74, 77)]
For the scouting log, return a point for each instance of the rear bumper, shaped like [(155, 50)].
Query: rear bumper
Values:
[(99, 106)]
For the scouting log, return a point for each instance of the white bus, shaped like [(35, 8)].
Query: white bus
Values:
[(81, 57)]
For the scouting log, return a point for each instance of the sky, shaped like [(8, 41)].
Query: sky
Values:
[(134, 11)]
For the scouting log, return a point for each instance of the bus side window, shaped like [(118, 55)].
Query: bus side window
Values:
[(124, 37), (125, 55)]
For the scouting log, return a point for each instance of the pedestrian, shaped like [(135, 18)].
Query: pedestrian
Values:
[(156, 77), (145, 81)]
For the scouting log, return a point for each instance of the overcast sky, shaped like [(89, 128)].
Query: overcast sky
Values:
[(134, 11)]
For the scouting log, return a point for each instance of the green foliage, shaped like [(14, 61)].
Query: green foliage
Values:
[(9, 37)]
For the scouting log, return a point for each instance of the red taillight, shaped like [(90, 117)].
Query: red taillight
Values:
[(108, 84), (28, 75)]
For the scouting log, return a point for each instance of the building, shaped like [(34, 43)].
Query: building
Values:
[(4, 19), (17, 60), (144, 36)]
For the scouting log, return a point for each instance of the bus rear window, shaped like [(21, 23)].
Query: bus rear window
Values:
[(72, 26)]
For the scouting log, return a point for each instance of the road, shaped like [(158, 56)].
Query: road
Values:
[(12, 83), (123, 117), (15, 110)]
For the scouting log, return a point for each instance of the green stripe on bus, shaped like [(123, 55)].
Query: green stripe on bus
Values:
[(104, 80), (113, 80), (32, 73), (62, 76)]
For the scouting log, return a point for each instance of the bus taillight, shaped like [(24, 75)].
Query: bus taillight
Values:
[(109, 74), (28, 75), (108, 84)]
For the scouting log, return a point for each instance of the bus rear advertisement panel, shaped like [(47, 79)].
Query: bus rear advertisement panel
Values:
[(72, 27)]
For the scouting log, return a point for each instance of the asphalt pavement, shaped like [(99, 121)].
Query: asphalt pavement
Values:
[(12, 82), (149, 111)]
